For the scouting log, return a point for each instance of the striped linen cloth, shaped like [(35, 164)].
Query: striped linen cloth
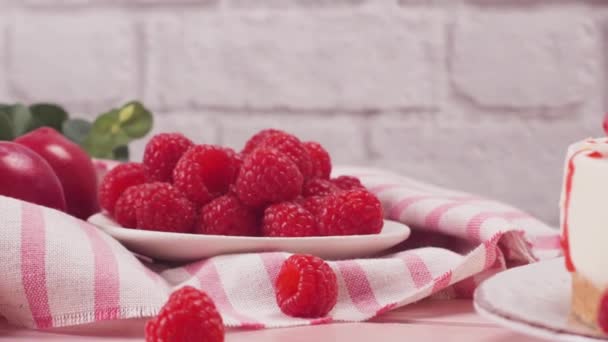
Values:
[(57, 270)]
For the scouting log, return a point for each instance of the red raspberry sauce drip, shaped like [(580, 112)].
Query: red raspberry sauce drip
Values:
[(565, 229), (602, 316)]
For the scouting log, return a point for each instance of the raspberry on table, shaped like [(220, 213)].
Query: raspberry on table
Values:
[(205, 172), (306, 287), (127, 204), (116, 181), (188, 316), (257, 139), (288, 220), (347, 183), (321, 161), (268, 176), (319, 187), (226, 215), (293, 148), (165, 209), (353, 212), (162, 153)]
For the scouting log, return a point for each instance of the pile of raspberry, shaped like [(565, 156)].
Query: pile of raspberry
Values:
[(277, 186)]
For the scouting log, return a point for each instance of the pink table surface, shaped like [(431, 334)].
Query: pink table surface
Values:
[(430, 320)]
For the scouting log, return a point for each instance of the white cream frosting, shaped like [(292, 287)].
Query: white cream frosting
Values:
[(588, 211)]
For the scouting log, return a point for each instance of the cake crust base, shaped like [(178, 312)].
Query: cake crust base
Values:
[(586, 298)]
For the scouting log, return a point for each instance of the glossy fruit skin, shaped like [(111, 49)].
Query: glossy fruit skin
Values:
[(71, 164), (27, 176)]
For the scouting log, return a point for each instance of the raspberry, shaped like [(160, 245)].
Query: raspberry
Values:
[(267, 177), (321, 161), (602, 317), (293, 148), (127, 204), (347, 183), (226, 215), (288, 220), (188, 316), (164, 208), (205, 172), (319, 187), (306, 287), (351, 212), (116, 181), (162, 153), (256, 140), (314, 204)]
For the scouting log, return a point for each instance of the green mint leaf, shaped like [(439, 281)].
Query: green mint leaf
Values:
[(5, 108), (22, 119), (107, 128), (135, 119), (50, 115), (76, 130), (98, 146), (105, 135), (6, 127), (112, 131), (121, 153)]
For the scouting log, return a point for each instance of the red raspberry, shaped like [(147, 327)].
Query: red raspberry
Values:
[(347, 183), (321, 161), (314, 204), (188, 316), (164, 208), (205, 172), (319, 187), (267, 177), (306, 287), (127, 204), (256, 140), (162, 153), (353, 212), (293, 148), (288, 220), (226, 215), (116, 181), (602, 317)]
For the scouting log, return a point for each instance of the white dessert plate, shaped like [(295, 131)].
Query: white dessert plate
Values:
[(534, 300), (186, 247)]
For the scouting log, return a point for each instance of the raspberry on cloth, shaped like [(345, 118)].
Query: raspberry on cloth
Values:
[(188, 315), (62, 271)]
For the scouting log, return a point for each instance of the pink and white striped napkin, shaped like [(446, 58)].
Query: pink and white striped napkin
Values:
[(57, 270)]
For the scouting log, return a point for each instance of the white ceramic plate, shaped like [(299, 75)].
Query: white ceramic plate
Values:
[(534, 300), (185, 247)]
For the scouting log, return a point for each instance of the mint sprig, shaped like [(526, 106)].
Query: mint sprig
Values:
[(108, 136)]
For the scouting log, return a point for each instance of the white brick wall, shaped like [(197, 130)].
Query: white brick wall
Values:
[(557, 50), (352, 60), (478, 95), (82, 59)]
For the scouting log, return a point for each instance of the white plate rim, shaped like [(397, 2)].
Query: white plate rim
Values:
[(531, 329), (151, 233), (490, 312), (161, 245)]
